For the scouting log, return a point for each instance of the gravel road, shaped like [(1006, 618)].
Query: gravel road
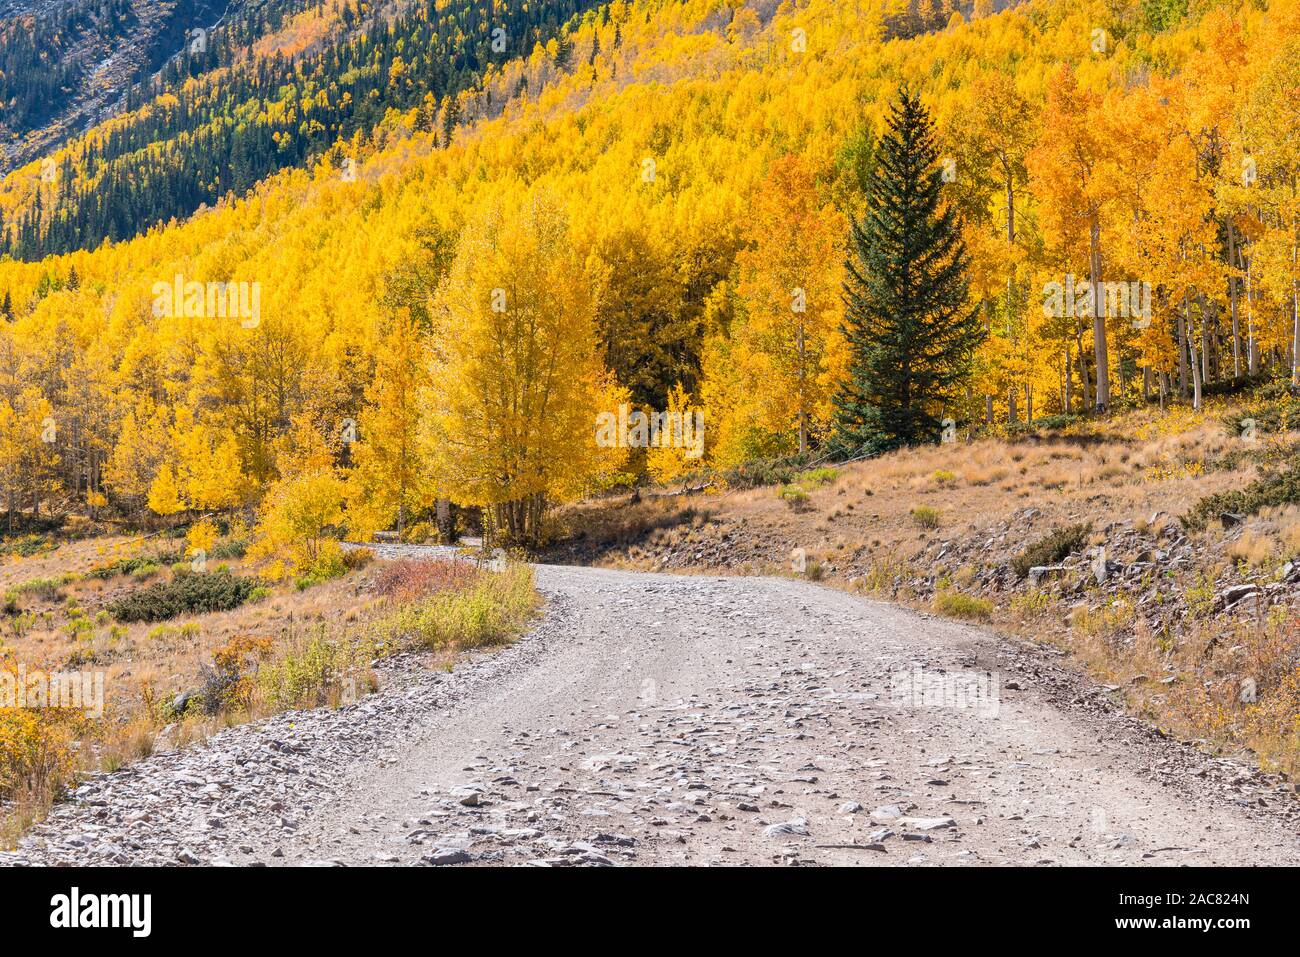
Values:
[(656, 719)]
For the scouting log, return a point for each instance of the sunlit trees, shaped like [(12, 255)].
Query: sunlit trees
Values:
[(515, 359), (789, 294), (390, 475), (297, 526)]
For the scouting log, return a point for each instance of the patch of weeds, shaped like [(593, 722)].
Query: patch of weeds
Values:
[(796, 496), (1276, 488), (968, 607), (926, 516), (1060, 542)]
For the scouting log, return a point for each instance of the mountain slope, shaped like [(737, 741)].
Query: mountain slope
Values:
[(263, 91), (65, 65)]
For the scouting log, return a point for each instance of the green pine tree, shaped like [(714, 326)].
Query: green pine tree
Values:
[(910, 325)]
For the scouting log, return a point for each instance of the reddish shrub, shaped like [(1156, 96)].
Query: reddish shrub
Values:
[(410, 578)]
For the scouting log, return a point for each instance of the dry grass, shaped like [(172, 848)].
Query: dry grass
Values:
[(63, 625)]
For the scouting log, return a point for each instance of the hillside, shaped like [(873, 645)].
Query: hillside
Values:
[(67, 65), (266, 85)]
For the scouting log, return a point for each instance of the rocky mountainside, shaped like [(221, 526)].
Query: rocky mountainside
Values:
[(66, 65)]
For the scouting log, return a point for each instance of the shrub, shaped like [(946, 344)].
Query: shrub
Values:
[(188, 593), (355, 558), (1056, 545), (129, 566), (26, 546), (818, 476), (47, 588), (1278, 488), (796, 496), (147, 570), (968, 607), (944, 477), (925, 516), (327, 565), (309, 671), (411, 578), (231, 548), (1044, 423), (492, 611), (228, 684), (778, 471), (36, 756)]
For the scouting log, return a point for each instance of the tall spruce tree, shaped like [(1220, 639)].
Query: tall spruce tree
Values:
[(910, 325)]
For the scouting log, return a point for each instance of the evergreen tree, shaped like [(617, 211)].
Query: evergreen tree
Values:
[(911, 328)]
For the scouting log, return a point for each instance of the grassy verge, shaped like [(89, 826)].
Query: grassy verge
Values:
[(441, 607)]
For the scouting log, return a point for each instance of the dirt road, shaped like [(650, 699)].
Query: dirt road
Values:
[(654, 719)]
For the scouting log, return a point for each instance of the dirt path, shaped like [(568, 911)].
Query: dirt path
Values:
[(657, 719)]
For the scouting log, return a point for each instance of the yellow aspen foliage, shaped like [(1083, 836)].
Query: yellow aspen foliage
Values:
[(390, 477), (785, 356), (297, 520), (681, 439), (164, 494), (520, 382)]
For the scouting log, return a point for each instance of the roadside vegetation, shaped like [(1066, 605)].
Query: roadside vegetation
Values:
[(187, 644)]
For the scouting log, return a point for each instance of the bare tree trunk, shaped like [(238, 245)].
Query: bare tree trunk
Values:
[(1102, 392), (1191, 347), (1182, 353), (1069, 380), (443, 511), (1232, 300), (1252, 347), (1295, 311), (1083, 370)]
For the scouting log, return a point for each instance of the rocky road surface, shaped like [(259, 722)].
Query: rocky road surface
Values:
[(656, 719)]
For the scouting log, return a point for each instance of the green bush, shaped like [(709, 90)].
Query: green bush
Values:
[(775, 471), (47, 588), (138, 565), (1044, 423), (1278, 488), (957, 605), (818, 476), (1056, 545), (231, 548), (189, 593), (26, 546), (329, 565), (795, 496), (925, 516)]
